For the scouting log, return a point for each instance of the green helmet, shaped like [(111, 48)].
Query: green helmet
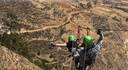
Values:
[(88, 40), (71, 38)]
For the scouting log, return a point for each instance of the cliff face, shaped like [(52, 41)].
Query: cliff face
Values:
[(27, 27)]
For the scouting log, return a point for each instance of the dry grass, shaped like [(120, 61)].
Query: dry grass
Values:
[(44, 21)]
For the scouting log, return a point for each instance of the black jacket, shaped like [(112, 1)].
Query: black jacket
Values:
[(88, 55)]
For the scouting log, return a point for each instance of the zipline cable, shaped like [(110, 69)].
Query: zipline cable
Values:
[(104, 29), (113, 30)]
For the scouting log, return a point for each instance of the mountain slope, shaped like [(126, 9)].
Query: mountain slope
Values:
[(29, 26)]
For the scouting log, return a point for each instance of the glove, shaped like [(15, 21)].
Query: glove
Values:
[(99, 31), (51, 45)]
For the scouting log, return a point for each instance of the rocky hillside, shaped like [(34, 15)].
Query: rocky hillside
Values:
[(28, 26), (13, 61)]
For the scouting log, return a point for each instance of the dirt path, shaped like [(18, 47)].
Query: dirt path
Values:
[(100, 10), (70, 15)]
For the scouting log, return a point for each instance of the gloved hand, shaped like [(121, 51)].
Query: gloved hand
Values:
[(99, 31), (51, 45)]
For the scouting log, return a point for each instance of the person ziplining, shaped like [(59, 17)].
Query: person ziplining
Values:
[(84, 54)]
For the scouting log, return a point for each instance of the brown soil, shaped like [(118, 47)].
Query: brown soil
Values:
[(34, 24)]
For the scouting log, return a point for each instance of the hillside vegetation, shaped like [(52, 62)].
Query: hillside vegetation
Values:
[(28, 26)]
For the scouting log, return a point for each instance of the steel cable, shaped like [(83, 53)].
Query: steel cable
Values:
[(104, 29)]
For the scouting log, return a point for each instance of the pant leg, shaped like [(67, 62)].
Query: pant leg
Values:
[(76, 59), (82, 68), (82, 59)]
